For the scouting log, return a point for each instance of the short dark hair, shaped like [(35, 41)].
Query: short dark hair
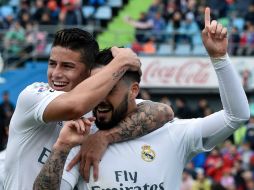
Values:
[(80, 40), (105, 56)]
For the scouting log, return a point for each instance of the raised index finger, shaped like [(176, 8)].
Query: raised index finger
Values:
[(207, 17)]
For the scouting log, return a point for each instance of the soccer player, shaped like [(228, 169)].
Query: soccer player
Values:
[(41, 107), (156, 160)]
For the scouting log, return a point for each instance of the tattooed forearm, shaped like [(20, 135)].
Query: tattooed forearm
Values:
[(149, 117), (51, 174), (117, 75)]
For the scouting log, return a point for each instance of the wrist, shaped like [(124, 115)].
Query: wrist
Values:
[(122, 61), (61, 146), (217, 60), (107, 136)]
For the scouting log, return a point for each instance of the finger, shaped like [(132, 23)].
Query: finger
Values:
[(77, 126), (95, 170), (82, 125), (87, 171), (82, 166), (114, 50), (219, 30), (92, 119), (207, 17), (74, 161), (223, 33), (87, 122), (213, 26)]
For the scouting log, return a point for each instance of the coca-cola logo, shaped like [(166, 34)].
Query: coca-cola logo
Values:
[(191, 72)]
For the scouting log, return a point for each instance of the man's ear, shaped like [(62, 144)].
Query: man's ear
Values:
[(134, 91)]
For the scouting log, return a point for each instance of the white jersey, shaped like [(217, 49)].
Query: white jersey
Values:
[(156, 161), (30, 138), (2, 172)]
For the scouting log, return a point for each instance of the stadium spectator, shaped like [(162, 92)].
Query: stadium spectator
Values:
[(143, 27), (234, 40), (174, 28), (250, 132), (237, 172), (187, 180), (214, 165), (149, 47), (40, 9), (182, 110), (71, 13), (14, 39), (200, 110), (6, 109), (201, 182)]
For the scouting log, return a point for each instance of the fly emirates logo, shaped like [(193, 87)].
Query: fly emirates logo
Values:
[(125, 180)]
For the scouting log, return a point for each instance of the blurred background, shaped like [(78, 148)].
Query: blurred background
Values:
[(176, 68)]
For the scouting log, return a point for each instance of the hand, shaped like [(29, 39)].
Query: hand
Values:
[(74, 131), (127, 57), (90, 154), (214, 37)]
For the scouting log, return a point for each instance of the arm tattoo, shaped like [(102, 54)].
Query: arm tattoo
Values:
[(50, 176), (117, 75), (148, 117)]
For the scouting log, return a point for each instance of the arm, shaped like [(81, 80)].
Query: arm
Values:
[(149, 116), (72, 134), (90, 92), (49, 177), (218, 126), (140, 25)]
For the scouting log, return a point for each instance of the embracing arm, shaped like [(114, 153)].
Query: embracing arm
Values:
[(87, 94), (148, 117)]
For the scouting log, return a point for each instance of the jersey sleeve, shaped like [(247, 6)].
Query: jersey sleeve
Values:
[(32, 102), (209, 131), (138, 101), (72, 176)]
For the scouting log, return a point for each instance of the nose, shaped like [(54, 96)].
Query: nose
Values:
[(57, 72)]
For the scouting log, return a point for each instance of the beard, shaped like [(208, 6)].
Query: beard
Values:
[(118, 114)]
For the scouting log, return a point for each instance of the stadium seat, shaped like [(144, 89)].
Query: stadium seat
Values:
[(115, 3), (239, 23), (6, 10), (199, 50), (88, 11), (164, 49), (182, 49), (103, 13)]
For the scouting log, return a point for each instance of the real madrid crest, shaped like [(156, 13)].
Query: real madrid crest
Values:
[(147, 153)]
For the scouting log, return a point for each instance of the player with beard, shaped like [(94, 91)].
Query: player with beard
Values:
[(156, 160)]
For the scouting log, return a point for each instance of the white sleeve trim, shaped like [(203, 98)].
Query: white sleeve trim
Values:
[(38, 114)]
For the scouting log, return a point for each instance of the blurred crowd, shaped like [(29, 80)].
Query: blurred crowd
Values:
[(181, 21), (24, 24)]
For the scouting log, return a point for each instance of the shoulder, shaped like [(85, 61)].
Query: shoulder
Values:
[(37, 87)]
